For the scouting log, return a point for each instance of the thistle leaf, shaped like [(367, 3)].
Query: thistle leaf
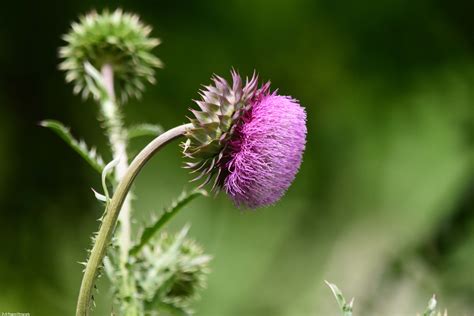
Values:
[(346, 309), (157, 305), (90, 155), (140, 130), (105, 173), (99, 197), (168, 213), (431, 308)]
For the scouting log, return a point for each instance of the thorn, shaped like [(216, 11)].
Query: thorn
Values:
[(351, 303)]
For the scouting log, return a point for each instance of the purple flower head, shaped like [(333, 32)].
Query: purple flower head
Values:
[(249, 140), (266, 151)]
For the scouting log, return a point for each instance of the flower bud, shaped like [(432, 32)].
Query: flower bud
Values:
[(118, 39)]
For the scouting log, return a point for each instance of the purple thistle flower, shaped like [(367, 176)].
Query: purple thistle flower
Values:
[(250, 140), (266, 151)]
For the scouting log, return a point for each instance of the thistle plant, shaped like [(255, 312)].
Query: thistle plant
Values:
[(346, 308), (245, 140)]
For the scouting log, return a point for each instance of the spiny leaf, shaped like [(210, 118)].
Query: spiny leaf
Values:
[(105, 173), (346, 309), (99, 197), (157, 305), (430, 309), (168, 213), (89, 155), (140, 130)]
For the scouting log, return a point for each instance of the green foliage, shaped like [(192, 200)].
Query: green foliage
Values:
[(346, 308), (105, 198), (100, 197), (90, 155), (169, 272), (149, 232), (107, 52), (431, 308), (108, 169)]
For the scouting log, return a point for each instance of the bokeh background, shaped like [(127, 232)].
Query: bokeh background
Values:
[(383, 205)]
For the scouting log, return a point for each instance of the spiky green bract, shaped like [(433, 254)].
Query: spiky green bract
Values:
[(116, 38), (150, 231), (169, 273), (221, 107), (346, 308), (431, 308)]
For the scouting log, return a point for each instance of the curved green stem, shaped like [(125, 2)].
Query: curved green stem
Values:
[(112, 212)]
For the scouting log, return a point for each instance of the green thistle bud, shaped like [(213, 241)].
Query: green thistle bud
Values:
[(118, 39), (171, 272)]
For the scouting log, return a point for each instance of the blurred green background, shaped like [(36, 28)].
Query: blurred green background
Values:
[(383, 205)]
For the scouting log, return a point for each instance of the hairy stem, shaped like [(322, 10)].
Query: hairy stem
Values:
[(117, 135), (118, 140), (112, 213)]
